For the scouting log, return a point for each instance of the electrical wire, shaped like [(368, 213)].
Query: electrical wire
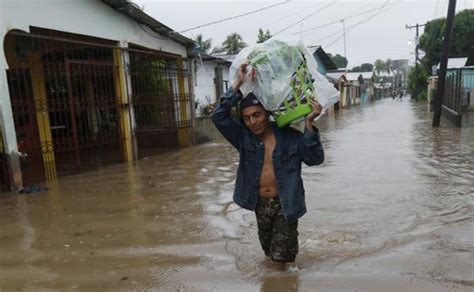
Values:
[(306, 17), (436, 9), (234, 17), (382, 9), (340, 32), (278, 20), (339, 20)]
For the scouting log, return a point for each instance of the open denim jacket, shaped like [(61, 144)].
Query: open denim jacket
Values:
[(292, 148)]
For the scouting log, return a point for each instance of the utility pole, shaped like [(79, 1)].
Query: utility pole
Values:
[(344, 34), (444, 63), (417, 43)]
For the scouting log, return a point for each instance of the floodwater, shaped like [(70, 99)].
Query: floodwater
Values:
[(391, 209)]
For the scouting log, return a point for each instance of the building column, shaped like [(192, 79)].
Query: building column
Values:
[(123, 90), (184, 133), (8, 127), (42, 116), (192, 97)]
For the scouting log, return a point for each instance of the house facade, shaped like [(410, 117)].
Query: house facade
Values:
[(367, 87), (88, 83), (211, 81), (458, 99), (340, 81)]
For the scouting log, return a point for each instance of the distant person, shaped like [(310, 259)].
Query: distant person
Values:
[(400, 94), (269, 173)]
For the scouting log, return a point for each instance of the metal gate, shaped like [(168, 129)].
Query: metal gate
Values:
[(160, 99), (65, 106), (84, 119)]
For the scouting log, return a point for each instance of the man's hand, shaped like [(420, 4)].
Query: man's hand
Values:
[(240, 76), (317, 108)]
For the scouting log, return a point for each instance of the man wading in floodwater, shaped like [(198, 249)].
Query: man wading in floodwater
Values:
[(269, 174)]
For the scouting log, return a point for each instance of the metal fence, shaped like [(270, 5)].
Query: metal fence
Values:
[(64, 105), (160, 98), (458, 90)]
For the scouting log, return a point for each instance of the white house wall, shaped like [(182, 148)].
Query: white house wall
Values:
[(204, 88), (204, 91), (87, 17)]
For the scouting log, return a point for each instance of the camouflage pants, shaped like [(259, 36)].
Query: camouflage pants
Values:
[(279, 239)]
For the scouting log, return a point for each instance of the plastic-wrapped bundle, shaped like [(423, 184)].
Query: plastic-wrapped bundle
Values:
[(283, 77)]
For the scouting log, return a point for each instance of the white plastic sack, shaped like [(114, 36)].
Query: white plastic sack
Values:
[(272, 65)]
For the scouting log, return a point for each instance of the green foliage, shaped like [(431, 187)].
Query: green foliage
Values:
[(379, 66), (263, 36), (340, 61), (202, 46), (152, 83), (423, 96), (233, 43), (431, 40), (356, 69), (366, 67), (217, 50), (417, 82)]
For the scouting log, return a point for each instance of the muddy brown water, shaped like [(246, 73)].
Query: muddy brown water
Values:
[(391, 209)]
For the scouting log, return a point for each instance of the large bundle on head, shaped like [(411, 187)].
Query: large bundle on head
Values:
[(284, 77)]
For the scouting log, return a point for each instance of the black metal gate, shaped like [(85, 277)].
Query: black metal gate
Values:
[(160, 99), (84, 120), (65, 105)]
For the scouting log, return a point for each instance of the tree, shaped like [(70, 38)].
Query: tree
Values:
[(417, 82), (461, 45), (356, 69), (217, 50), (202, 46), (340, 61), (379, 66), (263, 36), (366, 67), (388, 66), (431, 43), (233, 43)]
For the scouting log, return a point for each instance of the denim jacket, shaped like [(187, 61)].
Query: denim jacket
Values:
[(292, 148)]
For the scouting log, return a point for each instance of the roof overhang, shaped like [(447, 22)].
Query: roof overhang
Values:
[(134, 12)]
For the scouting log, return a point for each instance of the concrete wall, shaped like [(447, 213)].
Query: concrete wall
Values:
[(204, 87), (205, 131)]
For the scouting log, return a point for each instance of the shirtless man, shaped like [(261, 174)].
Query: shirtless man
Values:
[(269, 173)]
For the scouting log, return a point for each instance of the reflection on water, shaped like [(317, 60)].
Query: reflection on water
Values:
[(393, 203)]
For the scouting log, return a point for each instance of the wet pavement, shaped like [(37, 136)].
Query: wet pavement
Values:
[(391, 209)]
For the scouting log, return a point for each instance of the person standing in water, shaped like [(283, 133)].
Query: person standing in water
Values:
[(269, 173)]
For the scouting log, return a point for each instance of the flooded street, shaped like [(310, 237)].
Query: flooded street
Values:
[(391, 209)]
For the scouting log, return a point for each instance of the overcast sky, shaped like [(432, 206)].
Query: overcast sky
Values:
[(379, 33)]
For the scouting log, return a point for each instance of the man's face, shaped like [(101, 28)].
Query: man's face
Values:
[(255, 118)]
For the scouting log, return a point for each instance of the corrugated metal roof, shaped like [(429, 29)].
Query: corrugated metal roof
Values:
[(206, 57), (352, 75), (367, 75), (455, 63), (336, 75), (224, 56)]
